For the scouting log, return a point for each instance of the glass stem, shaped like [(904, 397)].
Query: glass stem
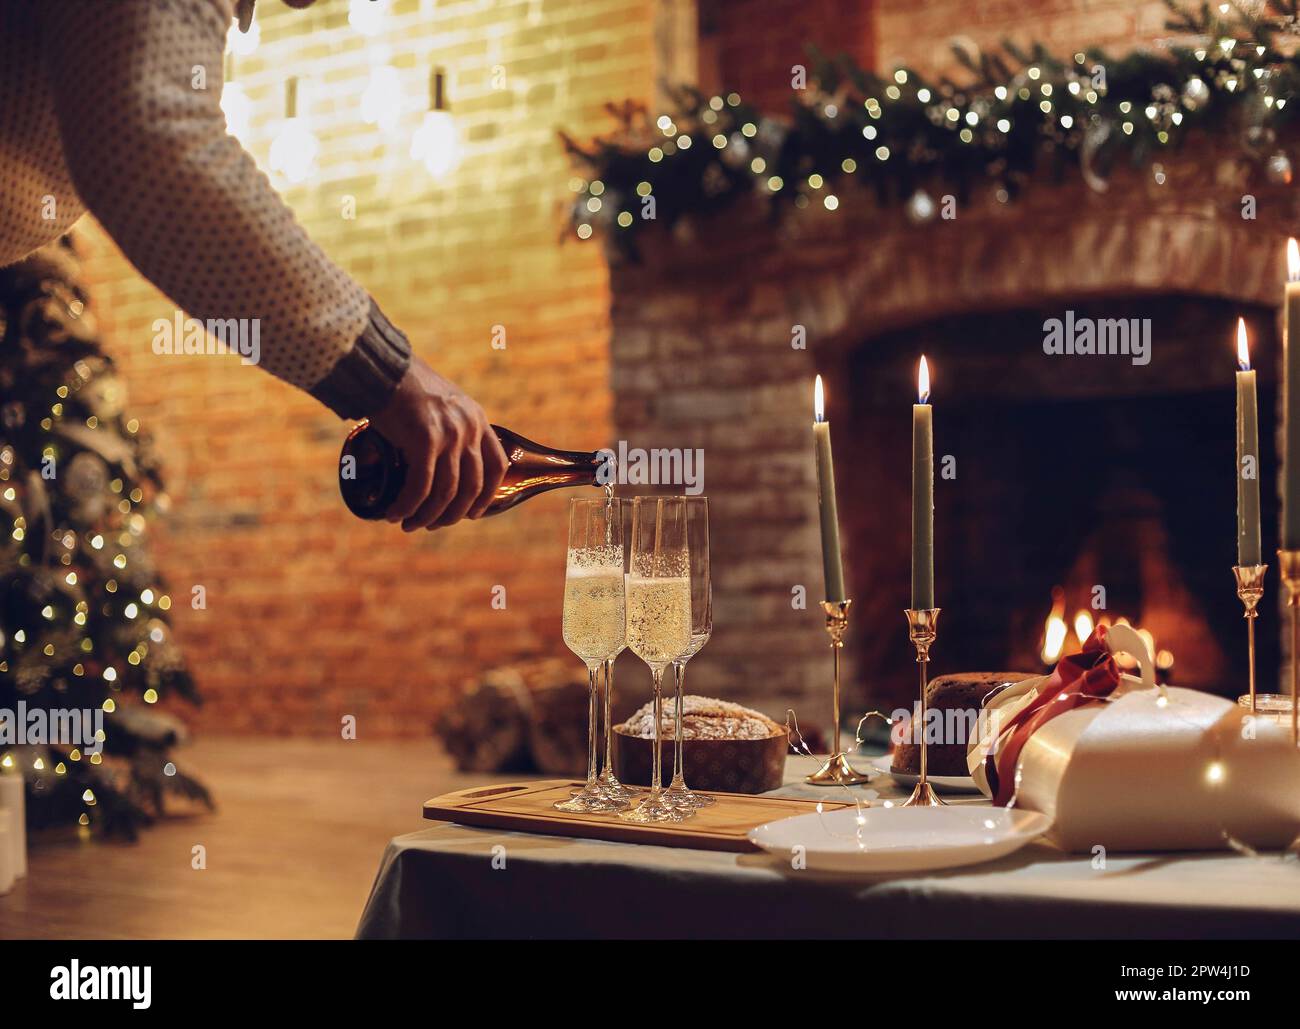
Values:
[(592, 738), (609, 717), (679, 678), (656, 757)]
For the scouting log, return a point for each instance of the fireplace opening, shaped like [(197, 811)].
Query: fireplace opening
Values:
[(1069, 490)]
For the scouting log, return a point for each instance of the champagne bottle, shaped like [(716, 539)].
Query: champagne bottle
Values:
[(372, 470)]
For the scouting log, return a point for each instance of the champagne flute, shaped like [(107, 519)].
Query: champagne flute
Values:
[(608, 781), (658, 621), (594, 619), (697, 545)]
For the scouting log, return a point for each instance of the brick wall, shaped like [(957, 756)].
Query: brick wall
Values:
[(751, 46), (310, 612), (920, 35)]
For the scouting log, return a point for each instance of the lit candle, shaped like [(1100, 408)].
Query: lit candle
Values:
[(832, 562), (1248, 547), (1291, 403), (922, 494)]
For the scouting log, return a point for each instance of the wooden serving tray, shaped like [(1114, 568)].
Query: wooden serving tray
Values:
[(530, 807)]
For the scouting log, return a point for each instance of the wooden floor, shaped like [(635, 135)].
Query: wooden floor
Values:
[(291, 851)]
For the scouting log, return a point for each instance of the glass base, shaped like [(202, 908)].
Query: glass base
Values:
[(590, 800), (655, 809), (682, 797), (609, 785)]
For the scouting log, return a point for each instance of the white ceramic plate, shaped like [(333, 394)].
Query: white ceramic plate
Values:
[(898, 839), (942, 783)]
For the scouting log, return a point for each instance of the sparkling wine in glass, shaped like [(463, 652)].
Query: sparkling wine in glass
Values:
[(697, 548), (594, 619), (658, 621)]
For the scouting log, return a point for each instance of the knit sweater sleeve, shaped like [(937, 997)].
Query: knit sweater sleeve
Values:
[(136, 86)]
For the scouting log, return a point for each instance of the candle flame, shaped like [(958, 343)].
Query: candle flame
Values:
[(1055, 629), (819, 401), (1243, 349), (923, 382), (1083, 626), (1292, 260), (1053, 639)]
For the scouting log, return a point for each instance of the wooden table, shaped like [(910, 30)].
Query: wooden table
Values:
[(451, 881)]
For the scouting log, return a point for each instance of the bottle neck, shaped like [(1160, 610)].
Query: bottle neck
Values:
[(526, 456)]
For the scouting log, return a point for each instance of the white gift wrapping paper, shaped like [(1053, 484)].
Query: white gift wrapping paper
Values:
[(13, 800), (1153, 768)]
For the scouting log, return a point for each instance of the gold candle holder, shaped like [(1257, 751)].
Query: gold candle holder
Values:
[(1250, 588), (1289, 565), (922, 628), (836, 771)]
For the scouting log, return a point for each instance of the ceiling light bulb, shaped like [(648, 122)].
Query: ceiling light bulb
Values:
[(436, 143), (381, 103), (367, 16), (244, 43), (238, 110), (294, 149)]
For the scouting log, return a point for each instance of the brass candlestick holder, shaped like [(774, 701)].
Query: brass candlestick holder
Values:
[(1250, 588), (922, 628), (1289, 565), (836, 771)]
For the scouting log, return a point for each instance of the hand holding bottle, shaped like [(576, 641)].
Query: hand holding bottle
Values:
[(454, 461)]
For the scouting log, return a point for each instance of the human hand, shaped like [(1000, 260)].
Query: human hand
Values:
[(454, 461)]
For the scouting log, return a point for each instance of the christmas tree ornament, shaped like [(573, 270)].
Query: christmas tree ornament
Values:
[(920, 207), (1278, 169), (86, 483), (1195, 94)]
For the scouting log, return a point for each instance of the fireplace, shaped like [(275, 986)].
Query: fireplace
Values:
[(1078, 488), (1072, 472)]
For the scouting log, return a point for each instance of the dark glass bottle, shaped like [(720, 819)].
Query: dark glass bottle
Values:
[(372, 480)]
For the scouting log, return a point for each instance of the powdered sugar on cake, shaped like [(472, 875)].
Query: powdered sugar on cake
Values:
[(704, 719)]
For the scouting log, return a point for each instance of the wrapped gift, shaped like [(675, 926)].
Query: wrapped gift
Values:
[(1119, 762)]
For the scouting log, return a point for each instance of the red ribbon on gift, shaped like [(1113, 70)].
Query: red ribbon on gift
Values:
[(1078, 679)]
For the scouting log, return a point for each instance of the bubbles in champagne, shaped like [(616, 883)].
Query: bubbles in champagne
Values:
[(659, 618), (593, 602)]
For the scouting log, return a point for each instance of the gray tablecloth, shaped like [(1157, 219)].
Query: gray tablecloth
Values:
[(443, 882)]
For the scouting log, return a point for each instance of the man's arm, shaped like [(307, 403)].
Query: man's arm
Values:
[(148, 152), (137, 90)]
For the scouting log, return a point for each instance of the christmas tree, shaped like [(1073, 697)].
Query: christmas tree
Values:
[(86, 651)]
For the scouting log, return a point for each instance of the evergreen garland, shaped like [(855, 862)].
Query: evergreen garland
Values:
[(1016, 115)]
